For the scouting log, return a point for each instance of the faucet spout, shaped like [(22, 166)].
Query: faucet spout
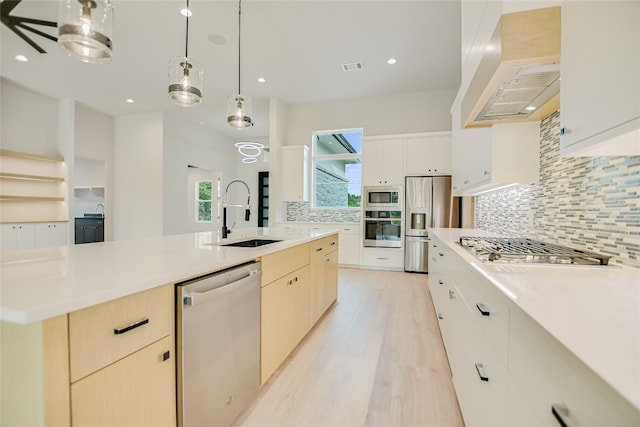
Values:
[(225, 205)]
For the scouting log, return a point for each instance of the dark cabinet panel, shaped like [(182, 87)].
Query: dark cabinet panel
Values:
[(88, 230)]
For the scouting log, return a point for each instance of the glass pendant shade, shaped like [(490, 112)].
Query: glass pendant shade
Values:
[(185, 81), (85, 29), (239, 109)]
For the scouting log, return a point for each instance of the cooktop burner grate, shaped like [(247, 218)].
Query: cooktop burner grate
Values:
[(516, 249)]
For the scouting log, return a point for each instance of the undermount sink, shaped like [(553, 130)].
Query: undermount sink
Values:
[(251, 243)]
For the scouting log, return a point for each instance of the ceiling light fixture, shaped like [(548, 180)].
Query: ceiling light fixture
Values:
[(85, 28), (185, 75), (250, 150), (391, 61), (22, 58), (239, 106), (261, 80), (130, 101)]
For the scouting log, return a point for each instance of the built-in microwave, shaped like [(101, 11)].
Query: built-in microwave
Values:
[(387, 197)]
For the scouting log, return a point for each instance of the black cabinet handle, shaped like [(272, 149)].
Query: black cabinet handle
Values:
[(131, 326), (440, 253), (333, 243), (166, 355), (481, 373), (561, 413), (318, 249), (440, 282), (483, 309)]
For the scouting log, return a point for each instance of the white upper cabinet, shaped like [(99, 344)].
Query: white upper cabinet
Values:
[(428, 154), (600, 87), (382, 161), (492, 158), (295, 173)]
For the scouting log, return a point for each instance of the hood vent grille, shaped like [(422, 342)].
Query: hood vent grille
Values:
[(520, 69), (352, 66), (523, 88)]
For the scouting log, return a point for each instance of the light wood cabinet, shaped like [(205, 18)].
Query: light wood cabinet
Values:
[(284, 318), (382, 161), (600, 87), (122, 361), (136, 391), (323, 271), (428, 154), (295, 173)]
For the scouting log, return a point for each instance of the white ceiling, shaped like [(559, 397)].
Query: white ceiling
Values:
[(298, 46)]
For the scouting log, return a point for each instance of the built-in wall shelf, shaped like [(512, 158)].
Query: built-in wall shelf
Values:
[(33, 188), (7, 175), (30, 199), (30, 156)]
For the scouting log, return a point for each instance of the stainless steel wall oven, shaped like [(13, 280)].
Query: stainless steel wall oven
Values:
[(382, 228)]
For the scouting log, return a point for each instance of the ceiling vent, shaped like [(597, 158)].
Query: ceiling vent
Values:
[(518, 78), (353, 66)]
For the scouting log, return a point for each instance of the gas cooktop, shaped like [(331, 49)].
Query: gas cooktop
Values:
[(523, 250)]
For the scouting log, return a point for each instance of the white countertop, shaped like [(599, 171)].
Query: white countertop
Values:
[(43, 283), (594, 311)]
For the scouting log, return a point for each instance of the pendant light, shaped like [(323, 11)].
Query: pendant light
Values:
[(250, 150), (239, 106), (185, 75), (85, 28)]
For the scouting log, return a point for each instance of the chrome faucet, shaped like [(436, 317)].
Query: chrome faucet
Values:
[(100, 205), (247, 211)]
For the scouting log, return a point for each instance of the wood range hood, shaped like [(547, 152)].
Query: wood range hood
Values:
[(520, 68)]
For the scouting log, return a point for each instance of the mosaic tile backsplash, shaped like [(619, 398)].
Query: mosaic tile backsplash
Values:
[(302, 212), (590, 203)]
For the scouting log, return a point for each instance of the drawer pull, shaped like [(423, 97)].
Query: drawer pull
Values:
[(166, 355), (452, 295), (561, 412), (483, 309), (481, 373), (440, 316), (440, 282), (131, 326), (318, 249), (333, 243), (440, 253)]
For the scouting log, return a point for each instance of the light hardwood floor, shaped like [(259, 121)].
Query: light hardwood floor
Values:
[(375, 359)]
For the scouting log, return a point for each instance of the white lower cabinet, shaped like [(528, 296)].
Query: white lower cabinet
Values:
[(506, 369), (383, 258), (50, 234), (15, 237)]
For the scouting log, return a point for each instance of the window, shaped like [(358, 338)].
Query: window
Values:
[(337, 168), (203, 201)]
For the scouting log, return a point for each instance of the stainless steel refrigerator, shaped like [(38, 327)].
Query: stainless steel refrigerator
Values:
[(428, 204)]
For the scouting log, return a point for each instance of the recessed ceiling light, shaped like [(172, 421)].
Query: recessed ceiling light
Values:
[(130, 101), (22, 58), (391, 61), (261, 79), (186, 12), (530, 108)]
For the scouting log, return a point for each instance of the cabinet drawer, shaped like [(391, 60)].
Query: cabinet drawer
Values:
[(383, 258), (280, 263), (139, 390), (324, 245), (548, 374), (105, 333)]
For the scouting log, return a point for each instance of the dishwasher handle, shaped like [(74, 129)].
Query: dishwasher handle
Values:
[(195, 298)]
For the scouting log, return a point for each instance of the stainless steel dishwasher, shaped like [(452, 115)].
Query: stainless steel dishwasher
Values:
[(218, 345)]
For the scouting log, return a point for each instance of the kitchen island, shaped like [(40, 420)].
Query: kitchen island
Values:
[(67, 315), (543, 338)]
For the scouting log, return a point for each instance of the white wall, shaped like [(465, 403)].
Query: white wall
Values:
[(187, 144), (29, 121), (278, 118), (382, 115), (138, 177)]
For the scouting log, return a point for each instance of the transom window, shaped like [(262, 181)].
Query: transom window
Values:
[(336, 163)]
